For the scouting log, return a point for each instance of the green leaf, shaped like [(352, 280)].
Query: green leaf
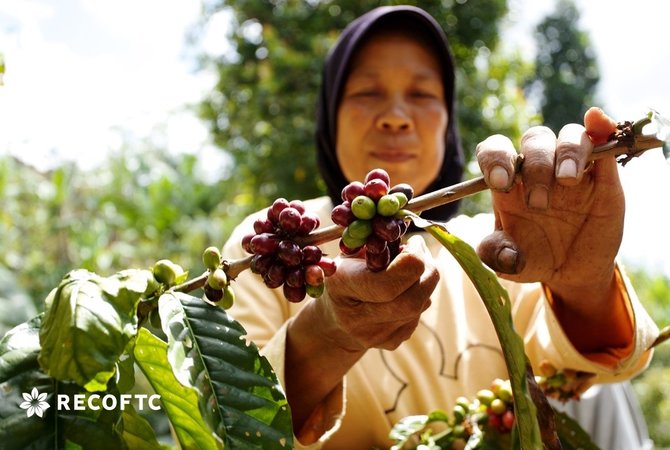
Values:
[(19, 373), (125, 371), (88, 433), (88, 323), (137, 432), (498, 304), (405, 429), (571, 434), (239, 394), (662, 125), (438, 415), (72, 446), (180, 402)]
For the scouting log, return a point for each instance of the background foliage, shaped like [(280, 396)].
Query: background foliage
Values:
[(262, 110), (567, 72), (144, 204)]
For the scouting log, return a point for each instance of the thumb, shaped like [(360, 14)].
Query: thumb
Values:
[(499, 251)]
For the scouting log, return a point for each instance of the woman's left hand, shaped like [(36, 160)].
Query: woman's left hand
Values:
[(561, 220)]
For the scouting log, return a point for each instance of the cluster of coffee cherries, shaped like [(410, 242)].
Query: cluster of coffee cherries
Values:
[(492, 409), (563, 385), (279, 259), (370, 217), (217, 288), (499, 405)]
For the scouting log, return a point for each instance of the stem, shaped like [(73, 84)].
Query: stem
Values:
[(192, 284), (235, 267), (632, 147), (474, 186), (447, 195), (663, 336)]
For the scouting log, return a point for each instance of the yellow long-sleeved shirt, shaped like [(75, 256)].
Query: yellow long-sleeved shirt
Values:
[(453, 352)]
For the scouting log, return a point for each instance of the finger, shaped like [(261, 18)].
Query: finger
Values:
[(599, 126), (538, 146), (399, 336), (572, 154), (353, 280), (496, 156), (428, 278), (499, 251)]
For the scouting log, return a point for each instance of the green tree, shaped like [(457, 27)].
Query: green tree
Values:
[(262, 109), (140, 205), (652, 385), (566, 67)]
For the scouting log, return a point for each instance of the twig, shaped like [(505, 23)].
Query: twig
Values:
[(192, 284), (464, 189), (631, 146), (663, 336)]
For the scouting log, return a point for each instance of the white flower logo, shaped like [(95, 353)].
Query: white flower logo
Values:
[(34, 403)]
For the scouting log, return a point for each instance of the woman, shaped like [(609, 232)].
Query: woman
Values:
[(377, 347)]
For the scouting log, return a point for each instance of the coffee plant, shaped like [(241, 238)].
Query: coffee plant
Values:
[(216, 390)]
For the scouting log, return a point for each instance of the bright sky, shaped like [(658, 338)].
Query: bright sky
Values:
[(80, 70)]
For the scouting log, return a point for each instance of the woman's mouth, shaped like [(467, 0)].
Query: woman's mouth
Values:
[(392, 156)]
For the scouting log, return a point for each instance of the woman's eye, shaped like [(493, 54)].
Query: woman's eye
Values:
[(366, 93), (422, 94)]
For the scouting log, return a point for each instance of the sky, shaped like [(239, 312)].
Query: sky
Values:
[(79, 71)]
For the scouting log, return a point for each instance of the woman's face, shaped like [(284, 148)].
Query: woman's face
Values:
[(393, 113)]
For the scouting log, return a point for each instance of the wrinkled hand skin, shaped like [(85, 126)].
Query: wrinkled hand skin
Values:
[(366, 309), (359, 310), (557, 223)]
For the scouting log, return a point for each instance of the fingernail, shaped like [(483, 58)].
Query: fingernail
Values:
[(498, 178), (507, 259), (567, 169), (538, 198)]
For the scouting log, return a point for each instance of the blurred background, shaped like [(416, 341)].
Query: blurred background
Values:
[(134, 131)]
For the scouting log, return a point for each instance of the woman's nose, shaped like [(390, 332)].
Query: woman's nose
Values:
[(394, 117)]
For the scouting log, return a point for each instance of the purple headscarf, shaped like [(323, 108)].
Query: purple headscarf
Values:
[(334, 77)]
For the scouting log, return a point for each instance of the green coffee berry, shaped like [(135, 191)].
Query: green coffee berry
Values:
[(557, 380), (360, 229), (218, 279), (459, 413), (228, 298), (315, 291), (350, 241), (388, 205), (485, 396), (498, 406), (166, 272), (211, 257), (402, 199), (459, 430), (363, 207), (505, 391), (463, 402)]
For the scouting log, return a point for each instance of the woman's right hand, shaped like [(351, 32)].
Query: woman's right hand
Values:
[(363, 309), (359, 310)]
